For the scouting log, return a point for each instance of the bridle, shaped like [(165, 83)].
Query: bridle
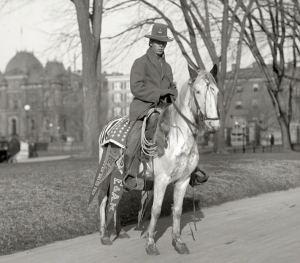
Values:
[(202, 116)]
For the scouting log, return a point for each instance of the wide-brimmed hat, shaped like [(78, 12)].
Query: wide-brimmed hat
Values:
[(159, 32)]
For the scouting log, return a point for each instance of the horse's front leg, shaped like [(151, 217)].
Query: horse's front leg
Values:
[(160, 185), (105, 240), (179, 192)]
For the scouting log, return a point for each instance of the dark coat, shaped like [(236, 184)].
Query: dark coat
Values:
[(147, 79)]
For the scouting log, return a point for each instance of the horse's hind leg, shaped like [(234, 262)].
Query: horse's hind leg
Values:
[(179, 192), (105, 240), (160, 185)]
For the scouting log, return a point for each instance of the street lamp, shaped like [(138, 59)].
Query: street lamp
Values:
[(27, 109), (243, 126)]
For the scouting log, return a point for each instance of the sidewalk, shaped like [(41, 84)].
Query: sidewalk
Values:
[(44, 159), (263, 228)]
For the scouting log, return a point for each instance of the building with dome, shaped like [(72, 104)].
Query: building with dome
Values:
[(40, 103)]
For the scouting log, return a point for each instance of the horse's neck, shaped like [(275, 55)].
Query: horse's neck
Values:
[(178, 125)]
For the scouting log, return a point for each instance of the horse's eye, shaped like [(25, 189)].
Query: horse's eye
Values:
[(198, 92)]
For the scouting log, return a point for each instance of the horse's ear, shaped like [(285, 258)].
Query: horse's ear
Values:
[(193, 72), (214, 71)]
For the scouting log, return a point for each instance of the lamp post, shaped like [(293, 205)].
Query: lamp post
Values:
[(51, 125), (243, 127), (27, 109)]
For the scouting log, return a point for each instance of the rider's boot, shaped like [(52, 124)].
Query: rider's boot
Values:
[(131, 170), (198, 176)]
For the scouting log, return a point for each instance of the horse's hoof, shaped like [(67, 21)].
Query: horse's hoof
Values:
[(123, 234), (181, 248), (106, 241), (152, 250)]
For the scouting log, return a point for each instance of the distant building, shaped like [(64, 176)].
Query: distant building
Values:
[(118, 95), (251, 111), (40, 103)]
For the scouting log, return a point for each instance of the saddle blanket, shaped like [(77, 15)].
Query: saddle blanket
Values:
[(115, 132)]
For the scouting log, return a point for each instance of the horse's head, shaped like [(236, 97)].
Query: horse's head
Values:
[(205, 93)]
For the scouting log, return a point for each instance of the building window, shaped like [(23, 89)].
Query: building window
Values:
[(13, 101), (255, 102), (13, 127), (116, 85), (255, 87), (46, 99), (129, 97), (127, 85), (117, 111), (117, 98), (238, 104), (127, 110), (239, 89), (46, 124), (65, 123), (15, 105)]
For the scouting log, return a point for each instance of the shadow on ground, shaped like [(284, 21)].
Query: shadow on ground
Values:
[(166, 211)]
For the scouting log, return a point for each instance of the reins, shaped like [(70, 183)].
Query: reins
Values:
[(189, 123), (203, 116)]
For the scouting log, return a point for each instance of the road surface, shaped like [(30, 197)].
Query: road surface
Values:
[(265, 229)]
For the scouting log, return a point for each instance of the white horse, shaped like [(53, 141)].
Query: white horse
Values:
[(197, 101)]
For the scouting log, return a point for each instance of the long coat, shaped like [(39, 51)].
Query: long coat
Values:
[(147, 78)]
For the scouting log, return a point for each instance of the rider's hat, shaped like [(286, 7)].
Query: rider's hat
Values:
[(159, 32)]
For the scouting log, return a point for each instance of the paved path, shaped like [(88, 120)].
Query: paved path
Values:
[(262, 229), (44, 159)]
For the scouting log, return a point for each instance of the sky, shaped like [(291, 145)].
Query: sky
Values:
[(34, 26), (26, 26), (37, 26)]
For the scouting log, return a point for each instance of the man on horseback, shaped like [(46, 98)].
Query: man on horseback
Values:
[(151, 83)]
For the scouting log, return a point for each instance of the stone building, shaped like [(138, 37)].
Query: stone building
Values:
[(40, 103)]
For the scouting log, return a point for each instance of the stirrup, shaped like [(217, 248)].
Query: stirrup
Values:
[(198, 177), (139, 182), (203, 177)]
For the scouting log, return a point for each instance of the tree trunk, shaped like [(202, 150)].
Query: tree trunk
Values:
[(219, 138), (91, 58), (285, 134), (91, 93)]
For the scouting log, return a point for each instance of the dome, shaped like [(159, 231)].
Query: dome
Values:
[(54, 69), (24, 63)]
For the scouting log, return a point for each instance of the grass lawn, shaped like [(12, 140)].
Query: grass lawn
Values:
[(45, 202)]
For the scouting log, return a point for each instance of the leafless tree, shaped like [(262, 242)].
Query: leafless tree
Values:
[(89, 17), (271, 30), (206, 24)]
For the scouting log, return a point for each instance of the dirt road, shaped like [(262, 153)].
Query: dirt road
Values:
[(265, 229)]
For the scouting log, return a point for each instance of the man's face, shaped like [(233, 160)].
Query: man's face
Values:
[(158, 46)]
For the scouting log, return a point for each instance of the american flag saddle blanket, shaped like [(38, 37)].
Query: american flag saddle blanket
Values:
[(115, 132)]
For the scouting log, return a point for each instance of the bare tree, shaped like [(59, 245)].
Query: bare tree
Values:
[(202, 29), (270, 25), (89, 19)]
